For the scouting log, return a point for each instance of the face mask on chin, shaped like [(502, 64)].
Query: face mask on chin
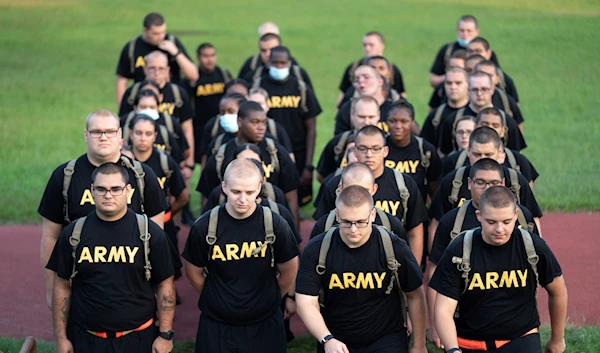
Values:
[(229, 123), (463, 42), (279, 74), (151, 113)]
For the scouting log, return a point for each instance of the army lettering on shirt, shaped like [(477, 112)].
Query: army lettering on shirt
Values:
[(241, 288), (168, 105), (407, 160), (343, 122), (81, 202), (110, 267), (500, 301), (357, 309), (439, 66), (525, 166)]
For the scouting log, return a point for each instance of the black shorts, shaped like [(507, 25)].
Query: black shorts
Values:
[(530, 344), (266, 337), (137, 341), (395, 342)]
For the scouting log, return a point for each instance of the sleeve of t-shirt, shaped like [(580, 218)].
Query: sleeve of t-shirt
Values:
[(283, 137), (434, 171), (447, 279), (314, 108), (51, 205), (342, 119), (345, 83), (440, 241), (186, 112), (124, 65), (209, 178), (288, 174), (195, 250), (397, 227), (327, 201), (527, 169), (154, 197), (494, 58), (125, 107), (409, 272), (286, 245), (529, 218), (516, 140), (61, 259), (428, 131), (416, 213), (327, 164), (438, 67), (287, 215), (308, 281), (548, 267), (527, 197), (164, 258), (398, 81), (182, 141), (319, 227), (448, 164), (176, 182), (280, 196)]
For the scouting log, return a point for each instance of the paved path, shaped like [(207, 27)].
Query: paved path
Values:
[(24, 312)]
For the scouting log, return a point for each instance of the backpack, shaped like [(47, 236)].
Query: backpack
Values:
[(254, 61), (163, 130), (462, 211), (457, 183), (385, 220), (339, 147), (425, 156), (131, 51), (142, 221), (224, 73), (301, 87), (501, 79), (211, 235), (391, 261), (271, 148), (512, 161), (437, 116), (174, 88), (505, 101), (134, 165), (448, 53), (271, 127), (404, 193)]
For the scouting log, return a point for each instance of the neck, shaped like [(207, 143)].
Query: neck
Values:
[(142, 156), (162, 85), (403, 142), (240, 140), (233, 213), (458, 103), (475, 203), (111, 218), (98, 161), (379, 172), (205, 70), (476, 109), (379, 97)]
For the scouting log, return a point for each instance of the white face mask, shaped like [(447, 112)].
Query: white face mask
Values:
[(151, 113), (229, 123), (279, 74)]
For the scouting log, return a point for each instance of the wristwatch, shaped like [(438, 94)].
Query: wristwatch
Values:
[(454, 350), (167, 335), (310, 168), (190, 166), (327, 338), (292, 297)]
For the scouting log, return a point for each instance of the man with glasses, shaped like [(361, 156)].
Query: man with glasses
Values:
[(68, 195), (361, 295), (105, 297)]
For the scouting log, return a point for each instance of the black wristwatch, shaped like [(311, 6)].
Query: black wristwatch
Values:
[(190, 166), (309, 168), (454, 350), (167, 335), (327, 338), (292, 297)]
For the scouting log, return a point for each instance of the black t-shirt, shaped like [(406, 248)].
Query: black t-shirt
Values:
[(525, 166), (142, 48), (431, 133), (500, 303), (398, 83), (408, 160), (343, 123), (181, 114), (397, 227), (286, 108), (443, 236), (110, 291), (246, 67), (327, 161), (440, 204), (357, 310), (217, 195), (80, 198), (387, 198), (207, 92), (265, 73), (439, 66), (287, 178), (512, 103), (240, 289), (175, 184)]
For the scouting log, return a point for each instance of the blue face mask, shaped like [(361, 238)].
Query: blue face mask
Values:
[(463, 43), (279, 74), (229, 123)]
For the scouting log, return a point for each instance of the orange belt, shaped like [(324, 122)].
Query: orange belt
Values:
[(122, 333), (487, 345), (168, 215)]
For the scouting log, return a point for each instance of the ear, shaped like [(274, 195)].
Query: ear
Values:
[(478, 215), (469, 182), (239, 121), (85, 135), (386, 151), (374, 189), (337, 215), (503, 182), (373, 214), (223, 186), (501, 156)]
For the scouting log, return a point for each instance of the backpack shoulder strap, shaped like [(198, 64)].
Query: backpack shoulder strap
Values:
[(67, 176), (512, 161), (462, 158), (269, 235), (425, 156), (523, 222), (134, 91), (297, 72), (256, 83), (131, 53), (125, 128), (218, 143), (515, 187), (393, 265), (219, 158), (169, 124), (272, 149), (459, 220), (270, 191), (505, 102), (171, 38), (273, 206), (404, 193), (221, 198), (164, 134), (142, 221), (211, 234), (138, 170), (330, 220), (339, 147), (272, 126), (164, 164), (302, 88), (257, 73), (215, 128), (352, 69), (464, 263), (254, 61), (501, 79), (395, 95), (532, 256), (177, 95), (385, 220), (325, 245), (448, 53), (74, 241), (456, 185), (437, 117), (224, 73)]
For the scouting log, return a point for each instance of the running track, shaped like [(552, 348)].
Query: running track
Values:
[(23, 310)]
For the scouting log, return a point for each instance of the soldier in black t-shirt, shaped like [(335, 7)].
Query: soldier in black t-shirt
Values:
[(60, 206), (493, 290), (114, 273), (480, 46), (466, 30), (360, 292), (438, 96), (242, 259), (154, 37), (266, 43)]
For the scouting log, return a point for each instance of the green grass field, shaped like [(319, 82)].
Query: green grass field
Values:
[(59, 58)]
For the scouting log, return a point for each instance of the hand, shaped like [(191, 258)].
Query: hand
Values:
[(335, 346), (556, 345), (433, 337), (169, 47), (186, 173), (419, 349), (306, 177), (290, 308), (162, 345), (63, 345)]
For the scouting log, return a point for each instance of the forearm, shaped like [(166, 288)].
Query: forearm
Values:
[(445, 326), (50, 233), (292, 199), (120, 88), (415, 241), (557, 306), (61, 306), (287, 275), (180, 201), (165, 302), (539, 225), (312, 318), (195, 276), (311, 136), (430, 293), (435, 80), (189, 70), (188, 131), (418, 314), (433, 224)]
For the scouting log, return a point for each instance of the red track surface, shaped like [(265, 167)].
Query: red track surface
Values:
[(23, 311)]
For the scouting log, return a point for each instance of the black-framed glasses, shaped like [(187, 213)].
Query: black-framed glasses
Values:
[(358, 224), (482, 183), (114, 191), (107, 133), (363, 149)]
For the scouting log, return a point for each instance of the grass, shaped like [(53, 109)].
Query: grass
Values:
[(59, 59), (579, 340)]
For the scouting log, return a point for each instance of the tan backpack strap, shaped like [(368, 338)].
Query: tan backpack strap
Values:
[(340, 146), (225, 74), (448, 54), (297, 72), (425, 156), (177, 95), (273, 206), (459, 220), (456, 185), (215, 128), (164, 134), (219, 158), (138, 170), (272, 126), (222, 198), (385, 220), (130, 54), (74, 241), (170, 126), (126, 129), (501, 79), (515, 187), (256, 83), (393, 265), (464, 263), (142, 221), (505, 102), (404, 193), (254, 62), (394, 95), (330, 220), (273, 153), (171, 38), (211, 235), (134, 91), (532, 256), (302, 88), (270, 191), (269, 234), (67, 176), (218, 143), (512, 161), (462, 158), (437, 117), (528, 226), (325, 244), (391, 69), (257, 73), (164, 165)]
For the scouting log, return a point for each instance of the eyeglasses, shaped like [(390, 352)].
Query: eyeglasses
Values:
[(463, 132), (480, 90), (107, 133), (482, 183), (358, 224), (363, 149), (114, 191)]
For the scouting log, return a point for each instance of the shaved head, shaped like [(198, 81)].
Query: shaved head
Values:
[(242, 169), (357, 174), (157, 55)]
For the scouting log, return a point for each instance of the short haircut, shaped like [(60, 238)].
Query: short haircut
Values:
[(459, 70), (497, 197), (402, 104), (465, 118), (354, 196), (485, 164), (459, 54), (477, 74), (237, 81), (377, 57), (249, 107), (157, 54), (483, 135), (102, 113), (487, 63), (357, 171), (363, 99), (371, 130), (261, 91), (280, 49), (486, 44), (203, 46), (491, 111), (145, 93), (475, 57), (376, 34), (468, 18), (269, 36), (238, 98), (142, 117), (247, 146), (153, 19), (111, 168), (242, 169)]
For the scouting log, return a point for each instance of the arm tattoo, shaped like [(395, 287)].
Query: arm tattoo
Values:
[(167, 301), (65, 308)]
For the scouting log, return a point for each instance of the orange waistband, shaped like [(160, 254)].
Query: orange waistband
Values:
[(122, 333), (168, 215), (487, 345)]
